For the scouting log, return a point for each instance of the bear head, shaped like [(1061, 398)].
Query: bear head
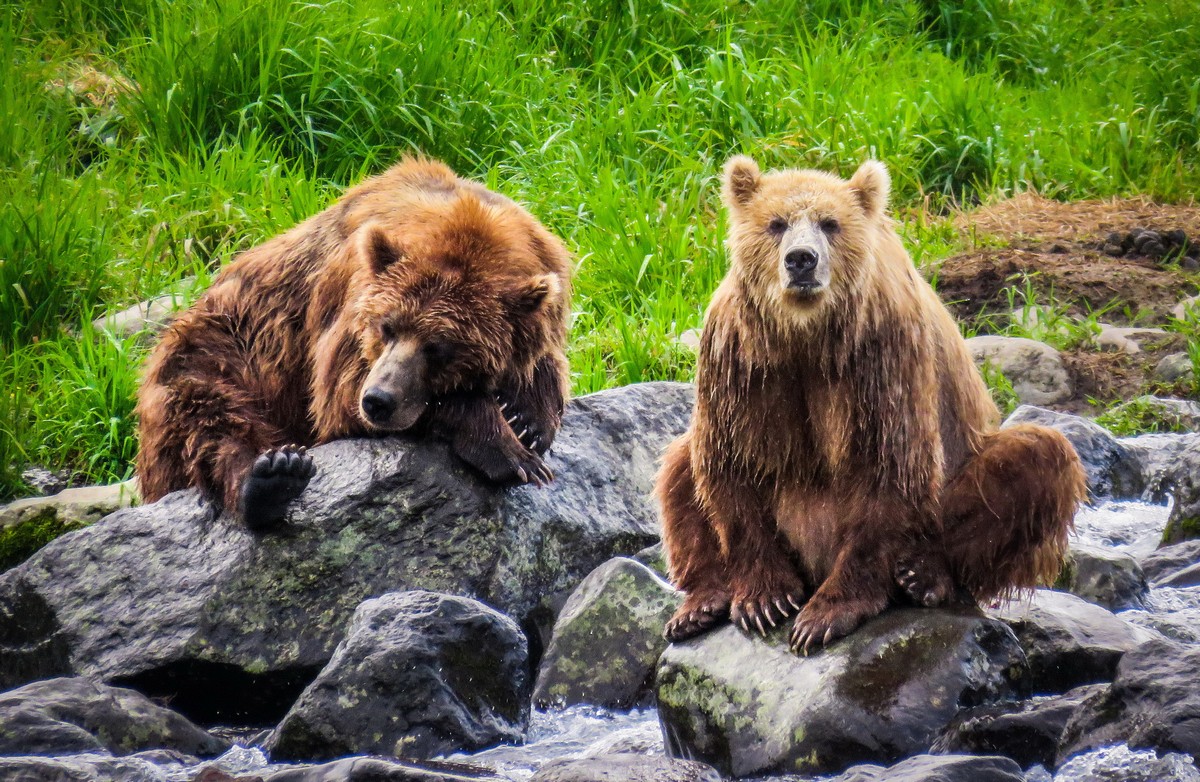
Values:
[(451, 306), (800, 239)]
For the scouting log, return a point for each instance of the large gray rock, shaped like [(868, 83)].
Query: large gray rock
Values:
[(749, 706), (939, 768), (608, 638), (1028, 732), (1108, 578), (1153, 703), (1170, 559), (89, 767), (625, 768), (70, 715), (168, 599), (1035, 369), (1069, 641), (419, 675)]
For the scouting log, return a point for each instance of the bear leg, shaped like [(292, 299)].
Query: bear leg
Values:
[(1007, 513), (861, 582), (479, 435), (534, 411), (202, 429), (691, 547)]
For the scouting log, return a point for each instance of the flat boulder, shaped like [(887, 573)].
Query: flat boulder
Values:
[(1067, 640), (938, 768), (73, 715), (1028, 732), (1168, 560), (608, 639), (1108, 578), (175, 602), (419, 674), (748, 706), (1153, 703)]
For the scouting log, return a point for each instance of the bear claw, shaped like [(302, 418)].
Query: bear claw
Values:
[(697, 614), (824, 621), (763, 612), (276, 478), (521, 424)]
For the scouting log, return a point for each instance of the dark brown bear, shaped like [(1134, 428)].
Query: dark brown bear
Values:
[(419, 302), (844, 451)]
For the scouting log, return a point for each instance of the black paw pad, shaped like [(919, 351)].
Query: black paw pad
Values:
[(275, 479)]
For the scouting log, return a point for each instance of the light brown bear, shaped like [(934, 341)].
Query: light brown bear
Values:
[(419, 302), (844, 451)]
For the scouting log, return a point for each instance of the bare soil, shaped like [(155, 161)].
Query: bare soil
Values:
[(1056, 251)]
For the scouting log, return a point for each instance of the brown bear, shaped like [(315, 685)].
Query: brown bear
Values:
[(844, 451), (419, 302)]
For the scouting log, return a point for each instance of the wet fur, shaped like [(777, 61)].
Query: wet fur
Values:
[(836, 441), (276, 351)]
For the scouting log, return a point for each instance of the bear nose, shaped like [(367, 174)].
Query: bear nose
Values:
[(800, 259), (378, 404)]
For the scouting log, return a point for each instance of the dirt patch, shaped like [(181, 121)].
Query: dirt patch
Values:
[(1051, 254), (1029, 216), (1065, 273)]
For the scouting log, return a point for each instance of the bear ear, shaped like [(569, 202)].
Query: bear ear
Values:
[(530, 295), (871, 185), (377, 249), (741, 180)]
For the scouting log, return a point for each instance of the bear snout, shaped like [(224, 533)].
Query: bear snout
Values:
[(378, 405), (800, 265)]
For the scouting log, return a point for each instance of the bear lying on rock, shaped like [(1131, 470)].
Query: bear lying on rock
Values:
[(844, 451), (419, 302)]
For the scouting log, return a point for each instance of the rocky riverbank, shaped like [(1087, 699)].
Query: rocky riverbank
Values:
[(412, 623)]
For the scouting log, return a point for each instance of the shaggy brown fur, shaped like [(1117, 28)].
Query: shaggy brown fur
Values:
[(843, 452), (418, 302)]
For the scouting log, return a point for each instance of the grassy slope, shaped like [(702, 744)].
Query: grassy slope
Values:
[(609, 119)]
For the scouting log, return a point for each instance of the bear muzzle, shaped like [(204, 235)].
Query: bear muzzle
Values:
[(801, 267), (395, 394)]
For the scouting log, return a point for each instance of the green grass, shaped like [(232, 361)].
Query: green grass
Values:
[(196, 129)]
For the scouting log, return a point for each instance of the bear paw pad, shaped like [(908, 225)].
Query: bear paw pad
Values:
[(276, 478)]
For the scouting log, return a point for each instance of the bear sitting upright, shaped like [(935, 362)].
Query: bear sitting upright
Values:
[(419, 302), (844, 451)]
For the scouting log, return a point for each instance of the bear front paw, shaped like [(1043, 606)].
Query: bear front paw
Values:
[(824, 620), (523, 424), (765, 609), (275, 479), (700, 611), (505, 462)]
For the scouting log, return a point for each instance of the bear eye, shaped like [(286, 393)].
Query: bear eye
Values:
[(777, 225), (387, 331), (440, 353), (830, 225)]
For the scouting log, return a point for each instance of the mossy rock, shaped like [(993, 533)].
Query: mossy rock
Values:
[(608, 639), (748, 706), (29, 524)]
